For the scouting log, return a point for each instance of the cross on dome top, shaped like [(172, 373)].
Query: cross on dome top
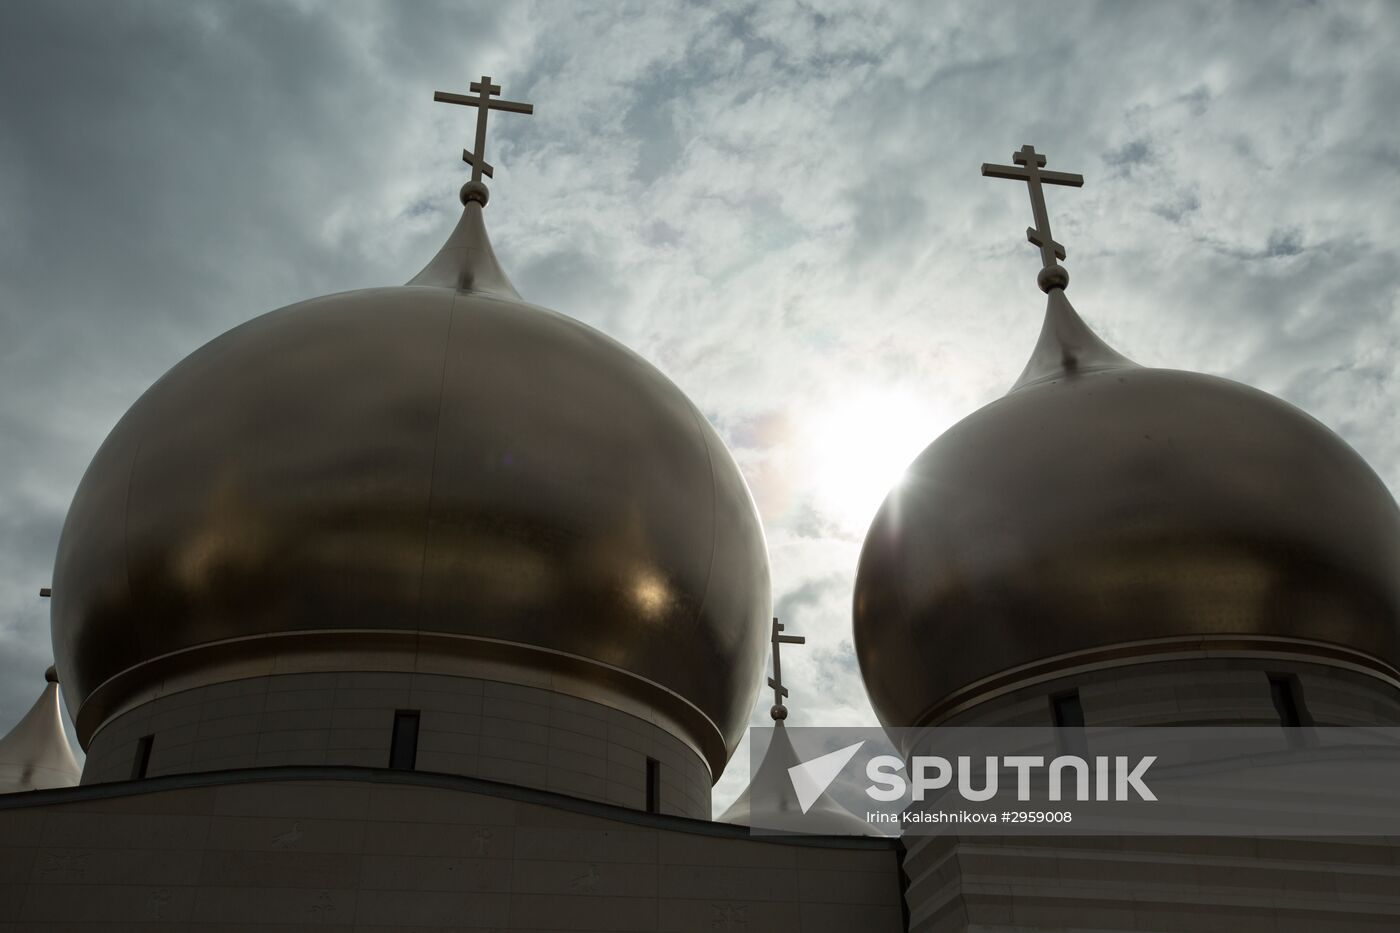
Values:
[(481, 98), (779, 711), (1028, 169)]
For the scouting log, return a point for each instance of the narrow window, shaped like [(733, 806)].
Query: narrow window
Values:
[(403, 746), (1287, 693), (1068, 714), (653, 786), (142, 761)]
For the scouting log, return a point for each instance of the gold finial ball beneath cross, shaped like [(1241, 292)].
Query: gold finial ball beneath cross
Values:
[(778, 712), (1052, 277), (51, 675), (475, 191)]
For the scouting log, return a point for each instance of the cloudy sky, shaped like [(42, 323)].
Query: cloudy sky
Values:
[(777, 203)]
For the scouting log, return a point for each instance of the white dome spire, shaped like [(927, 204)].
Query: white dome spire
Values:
[(35, 754)]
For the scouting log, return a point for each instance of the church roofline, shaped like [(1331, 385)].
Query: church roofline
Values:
[(497, 789)]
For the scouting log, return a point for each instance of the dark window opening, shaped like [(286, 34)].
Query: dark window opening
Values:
[(1287, 693), (653, 786), (142, 761), (403, 746), (1068, 714)]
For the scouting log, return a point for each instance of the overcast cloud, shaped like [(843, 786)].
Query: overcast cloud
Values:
[(777, 203)]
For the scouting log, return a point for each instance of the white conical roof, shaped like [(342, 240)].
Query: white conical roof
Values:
[(35, 754), (781, 811)]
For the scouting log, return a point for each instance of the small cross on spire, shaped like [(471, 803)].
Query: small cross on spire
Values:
[(1028, 169), (779, 711), (480, 98)]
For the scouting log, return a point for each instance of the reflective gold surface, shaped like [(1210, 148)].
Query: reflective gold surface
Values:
[(420, 459), (1101, 503)]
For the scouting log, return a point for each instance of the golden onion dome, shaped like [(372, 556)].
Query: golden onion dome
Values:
[(1107, 513), (437, 477)]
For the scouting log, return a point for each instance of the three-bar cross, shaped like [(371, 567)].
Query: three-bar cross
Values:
[(779, 711), (1028, 169), (481, 98)]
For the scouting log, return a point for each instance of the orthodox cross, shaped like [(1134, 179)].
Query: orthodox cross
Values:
[(779, 711), (480, 98), (1028, 169)]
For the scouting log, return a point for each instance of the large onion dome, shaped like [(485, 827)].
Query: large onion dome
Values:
[(1102, 513), (437, 477)]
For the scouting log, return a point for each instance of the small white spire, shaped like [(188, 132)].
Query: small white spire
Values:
[(35, 755), (778, 806)]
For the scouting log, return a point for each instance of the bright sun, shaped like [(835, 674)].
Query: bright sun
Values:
[(857, 451)]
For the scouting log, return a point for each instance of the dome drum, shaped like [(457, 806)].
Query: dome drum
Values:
[(287, 654)]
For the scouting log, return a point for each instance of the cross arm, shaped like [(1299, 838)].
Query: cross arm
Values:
[(446, 97), (471, 159), (1004, 171), (1019, 173), (1062, 178), (793, 639), (1034, 237)]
